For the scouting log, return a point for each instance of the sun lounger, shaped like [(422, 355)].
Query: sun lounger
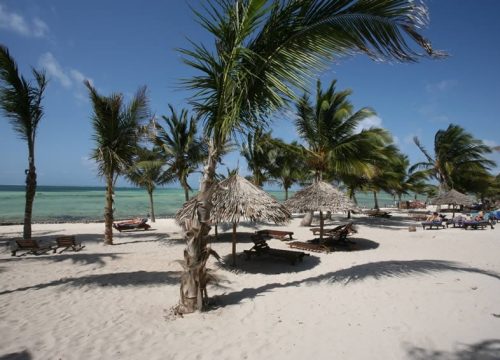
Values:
[(132, 225), (277, 234), (261, 247), (476, 224), (436, 224), (309, 246), (30, 247), (67, 242), (326, 231), (378, 213)]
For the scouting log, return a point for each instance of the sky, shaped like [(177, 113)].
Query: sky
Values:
[(120, 46)]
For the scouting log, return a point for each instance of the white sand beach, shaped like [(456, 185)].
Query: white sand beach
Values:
[(399, 295)]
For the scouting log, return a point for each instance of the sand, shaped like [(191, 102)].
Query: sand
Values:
[(400, 295)]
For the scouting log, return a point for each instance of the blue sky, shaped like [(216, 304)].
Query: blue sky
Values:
[(122, 45)]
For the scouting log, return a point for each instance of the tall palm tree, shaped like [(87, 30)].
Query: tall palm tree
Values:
[(183, 150), (21, 103), (262, 51), (457, 155), (329, 127), (148, 172), (407, 181), (117, 129)]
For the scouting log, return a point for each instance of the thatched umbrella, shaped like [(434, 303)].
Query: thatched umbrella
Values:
[(236, 198), (319, 196), (452, 197)]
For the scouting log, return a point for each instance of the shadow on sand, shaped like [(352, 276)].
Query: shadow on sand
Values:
[(78, 258), (376, 270), (484, 350), (22, 355), (134, 278)]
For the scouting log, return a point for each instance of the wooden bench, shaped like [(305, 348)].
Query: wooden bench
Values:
[(276, 234), (67, 242), (30, 247), (261, 247)]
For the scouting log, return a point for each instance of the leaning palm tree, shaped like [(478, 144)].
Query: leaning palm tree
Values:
[(457, 155), (262, 51), (21, 103), (148, 171), (117, 129), (181, 147)]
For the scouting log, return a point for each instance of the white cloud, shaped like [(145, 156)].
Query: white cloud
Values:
[(16, 23), (440, 86), (372, 121), (54, 69), (490, 143), (68, 78)]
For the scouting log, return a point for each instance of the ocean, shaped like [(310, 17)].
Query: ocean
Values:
[(78, 204)]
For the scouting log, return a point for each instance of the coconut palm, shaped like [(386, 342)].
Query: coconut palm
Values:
[(21, 103), (181, 147), (117, 129), (407, 181), (287, 164), (262, 51), (457, 155), (148, 171), (329, 128), (256, 152)]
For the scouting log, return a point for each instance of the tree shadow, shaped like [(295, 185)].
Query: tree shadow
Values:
[(266, 264), (376, 270), (134, 278), (22, 355), (360, 244), (77, 258), (484, 350)]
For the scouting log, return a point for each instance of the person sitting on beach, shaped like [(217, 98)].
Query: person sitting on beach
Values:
[(433, 217), (480, 216)]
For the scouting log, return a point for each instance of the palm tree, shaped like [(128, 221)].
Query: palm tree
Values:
[(287, 164), (117, 129), (329, 127), (457, 155), (21, 103), (262, 51), (406, 180), (256, 152), (148, 172), (183, 150)]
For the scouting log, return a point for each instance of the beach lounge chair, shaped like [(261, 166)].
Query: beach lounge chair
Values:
[(473, 224), (276, 234), (437, 224), (378, 213), (307, 246), (261, 247), (67, 242), (132, 225), (30, 247)]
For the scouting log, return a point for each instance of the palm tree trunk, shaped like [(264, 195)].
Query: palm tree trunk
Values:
[(286, 193), (375, 199), (151, 205), (108, 212), (308, 218), (30, 191), (186, 190), (193, 293)]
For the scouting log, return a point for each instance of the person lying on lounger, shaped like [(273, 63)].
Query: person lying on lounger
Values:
[(433, 217)]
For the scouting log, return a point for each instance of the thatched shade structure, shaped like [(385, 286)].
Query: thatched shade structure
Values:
[(235, 199), (452, 197), (319, 196)]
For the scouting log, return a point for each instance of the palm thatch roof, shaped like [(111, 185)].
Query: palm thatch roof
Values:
[(452, 197), (319, 196), (236, 198)]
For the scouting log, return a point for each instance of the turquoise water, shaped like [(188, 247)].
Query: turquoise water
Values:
[(72, 204)]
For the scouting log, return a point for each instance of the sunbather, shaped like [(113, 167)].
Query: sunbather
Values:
[(433, 217)]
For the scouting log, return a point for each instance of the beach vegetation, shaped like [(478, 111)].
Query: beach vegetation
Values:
[(117, 130), (262, 52), (458, 159), (180, 145), (21, 103), (148, 171)]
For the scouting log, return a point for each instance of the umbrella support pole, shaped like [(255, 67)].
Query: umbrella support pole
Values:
[(321, 226), (234, 244)]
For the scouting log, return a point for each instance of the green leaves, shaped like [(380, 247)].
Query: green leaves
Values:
[(20, 100)]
